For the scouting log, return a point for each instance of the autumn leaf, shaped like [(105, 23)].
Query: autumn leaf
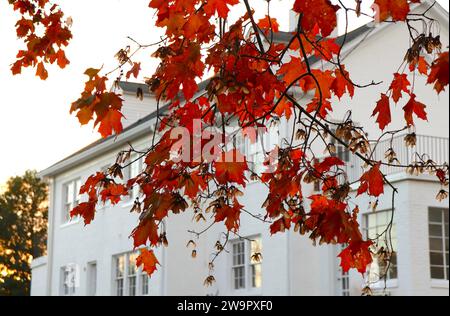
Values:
[(219, 6), (384, 112), (280, 225), (320, 12), (397, 9), (414, 107), (146, 231), (41, 71), (439, 72), (113, 192), (268, 24), (372, 182), (231, 168), (111, 122), (357, 255), (420, 64), (134, 71), (148, 261), (292, 70), (399, 84), (85, 210), (231, 215), (342, 83), (327, 164)]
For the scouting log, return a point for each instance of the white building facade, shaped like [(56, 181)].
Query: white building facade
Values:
[(98, 259)]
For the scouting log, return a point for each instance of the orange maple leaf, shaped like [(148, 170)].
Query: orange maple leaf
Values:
[(268, 24), (231, 168), (219, 6), (148, 260)]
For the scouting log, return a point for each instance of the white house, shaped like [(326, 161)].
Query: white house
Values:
[(98, 259)]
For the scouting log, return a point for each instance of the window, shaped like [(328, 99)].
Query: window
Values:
[(92, 279), (71, 198), (341, 151), (376, 229), (120, 271), (68, 280), (132, 271), (246, 264), (438, 239), (129, 280), (135, 169), (144, 283)]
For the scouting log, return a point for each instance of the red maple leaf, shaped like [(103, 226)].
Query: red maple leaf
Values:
[(231, 215), (327, 164), (439, 72), (317, 12), (231, 168), (372, 181), (397, 9), (147, 230), (357, 255), (383, 110), (399, 84), (414, 107), (268, 24), (219, 6), (85, 210), (148, 260)]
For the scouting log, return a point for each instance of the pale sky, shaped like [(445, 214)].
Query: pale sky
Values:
[(36, 129)]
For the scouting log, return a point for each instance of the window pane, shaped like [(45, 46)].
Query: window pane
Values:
[(256, 249), (239, 278), (436, 244), (120, 266), (69, 192), (436, 259), (435, 215), (132, 264), (77, 189), (437, 272), (144, 284), (435, 230), (132, 286), (119, 287), (256, 276)]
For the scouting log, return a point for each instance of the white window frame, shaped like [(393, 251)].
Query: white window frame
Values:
[(444, 236), (138, 276), (70, 200), (366, 229), (247, 266)]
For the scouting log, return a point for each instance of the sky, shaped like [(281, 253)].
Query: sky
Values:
[(36, 129)]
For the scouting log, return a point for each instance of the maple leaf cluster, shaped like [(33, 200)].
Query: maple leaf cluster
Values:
[(252, 88), (45, 33)]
